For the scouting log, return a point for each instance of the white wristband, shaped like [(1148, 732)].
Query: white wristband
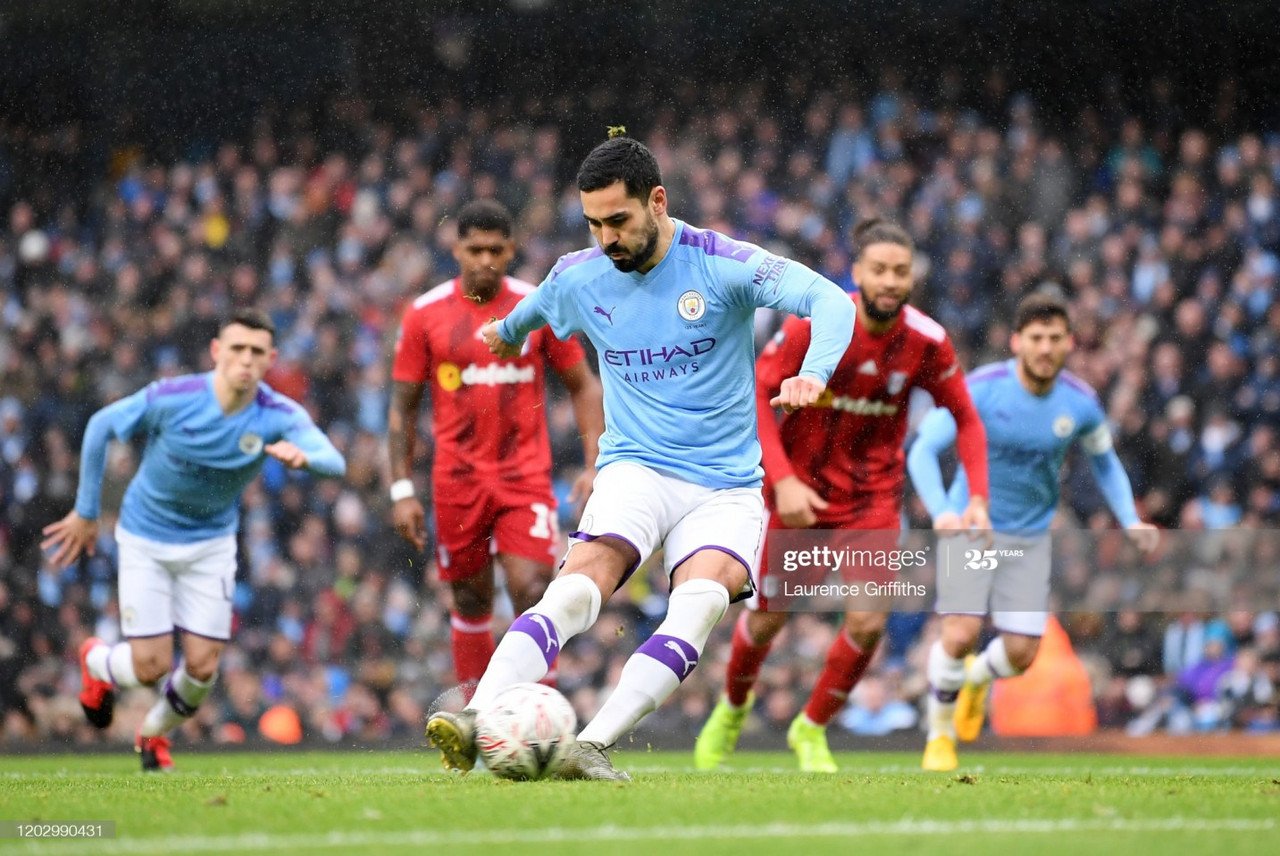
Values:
[(402, 489)]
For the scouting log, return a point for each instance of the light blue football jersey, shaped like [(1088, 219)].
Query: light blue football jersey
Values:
[(197, 459), (1028, 437), (677, 347)]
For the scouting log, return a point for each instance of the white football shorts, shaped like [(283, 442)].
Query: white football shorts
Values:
[(187, 586), (649, 510), (1011, 579)]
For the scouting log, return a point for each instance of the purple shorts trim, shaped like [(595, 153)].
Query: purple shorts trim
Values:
[(587, 536), (168, 632), (751, 581), (201, 635)]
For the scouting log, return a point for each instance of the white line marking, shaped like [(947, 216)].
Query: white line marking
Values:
[(607, 833)]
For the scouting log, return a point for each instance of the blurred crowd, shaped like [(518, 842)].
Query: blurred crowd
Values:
[(115, 269)]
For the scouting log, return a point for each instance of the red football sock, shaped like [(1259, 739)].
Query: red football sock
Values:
[(745, 660), (472, 643), (844, 667)]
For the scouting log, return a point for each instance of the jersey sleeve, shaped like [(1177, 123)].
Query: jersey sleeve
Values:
[(936, 434), (412, 360), (1095, 439), (120, 420), (550, 304), (768, 280), (778, 361), (564, 353), (323, 458)]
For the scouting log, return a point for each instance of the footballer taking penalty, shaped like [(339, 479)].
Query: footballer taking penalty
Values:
[(669, 308), (208, 436), (1034, 411)]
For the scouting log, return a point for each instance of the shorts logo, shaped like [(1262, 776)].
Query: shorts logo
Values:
[(691, 306), (1063, 426), (449, 377), (897, 380), (250, 444), (128, 617)]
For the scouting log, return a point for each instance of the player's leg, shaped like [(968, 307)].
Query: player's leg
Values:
[(463, 532), (619, 529), (704, 553), (145, 655), (946, 677), (203, 581)]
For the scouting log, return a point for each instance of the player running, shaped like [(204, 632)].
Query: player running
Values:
[(1034, 411), (207, 436), (670, 311), (839, 465), (491, 474)]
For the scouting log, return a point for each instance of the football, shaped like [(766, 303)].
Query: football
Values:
[(526, 733)]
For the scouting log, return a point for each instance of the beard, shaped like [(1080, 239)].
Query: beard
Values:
[(633, 260), (881, 315), (1043, 375)]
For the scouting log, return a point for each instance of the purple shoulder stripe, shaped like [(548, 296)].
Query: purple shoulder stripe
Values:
[(570, 259), (175, 386), (992, 371), (716, 244), (272, 400), (1078, 384)]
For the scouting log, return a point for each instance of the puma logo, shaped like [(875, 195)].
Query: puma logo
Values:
[(688, 664), (599, 310), (546, 629)]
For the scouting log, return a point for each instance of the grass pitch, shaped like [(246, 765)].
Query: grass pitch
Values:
[(401, 802)]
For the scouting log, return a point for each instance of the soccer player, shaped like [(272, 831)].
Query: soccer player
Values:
[(491, 475), (207, 436), (670, 310), (839, 465), (1034, 411)]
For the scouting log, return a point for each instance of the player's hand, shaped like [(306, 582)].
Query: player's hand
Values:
[(1145, 536), (498, 345), (797, 392), (948, 523), (410, 521), (583, 485), (977, 521), (797, 503), (69, 538), (288, 454)]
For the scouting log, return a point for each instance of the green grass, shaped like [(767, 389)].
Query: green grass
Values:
[(400, 803)]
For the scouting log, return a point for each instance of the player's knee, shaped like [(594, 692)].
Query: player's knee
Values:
[(1021, 651), (203, 669), (572, 602), (151, 668), (864, 628), (472, 601), (529, 592), (762, 627)]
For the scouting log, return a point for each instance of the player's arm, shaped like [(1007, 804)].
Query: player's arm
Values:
[(795, 502), (950, 391), (306, 447), (540, 307), (77, 533), (936, 434), (790, 286), (587, 397), (408, 517), (1114, 483)]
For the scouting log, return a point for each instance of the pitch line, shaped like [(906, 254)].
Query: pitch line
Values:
[(609, 833)]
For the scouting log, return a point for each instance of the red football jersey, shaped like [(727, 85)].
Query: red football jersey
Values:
[(848, 447), (488, 414)]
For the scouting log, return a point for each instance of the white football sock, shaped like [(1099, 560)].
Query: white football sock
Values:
[(993, 662), (179, 698), (569, 606), (114, 664), (665, 659), (946, 676)]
